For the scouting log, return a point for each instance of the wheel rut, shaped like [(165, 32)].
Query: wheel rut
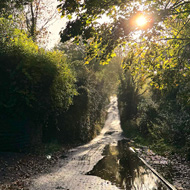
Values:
[(105, 163), (80, 160)]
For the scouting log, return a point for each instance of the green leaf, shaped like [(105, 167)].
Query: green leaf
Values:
[(69, 17)]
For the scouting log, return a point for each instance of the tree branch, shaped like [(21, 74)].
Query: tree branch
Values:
[(180, 4), (182, 12), (184, 39), (167, 4), (48, 20)]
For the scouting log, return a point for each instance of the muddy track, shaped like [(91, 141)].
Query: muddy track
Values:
[(72, 173), (105, 163)]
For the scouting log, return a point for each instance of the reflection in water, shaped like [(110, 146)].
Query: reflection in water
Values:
[(123, 168)]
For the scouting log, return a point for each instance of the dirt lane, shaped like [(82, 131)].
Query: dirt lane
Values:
[(71, 174), (106, 163)]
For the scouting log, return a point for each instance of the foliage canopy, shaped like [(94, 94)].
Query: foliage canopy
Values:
[(102, 39)]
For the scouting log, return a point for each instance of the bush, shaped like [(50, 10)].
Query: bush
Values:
[(79, 123), (159, 117), (35, 85), (95, 82)]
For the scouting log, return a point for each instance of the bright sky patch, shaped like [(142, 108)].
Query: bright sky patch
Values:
[(141, 21)]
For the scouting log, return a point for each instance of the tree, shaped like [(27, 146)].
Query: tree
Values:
[(36, 87), (38, 17), (8, 5), (105, 38), (160, 58)]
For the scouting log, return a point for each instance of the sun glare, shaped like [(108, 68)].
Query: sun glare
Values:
[(141, 21)]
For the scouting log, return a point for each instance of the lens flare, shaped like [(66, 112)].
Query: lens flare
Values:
[(141, 21)]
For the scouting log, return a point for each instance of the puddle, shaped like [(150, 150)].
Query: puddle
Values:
[(110, 132), (122, 168)]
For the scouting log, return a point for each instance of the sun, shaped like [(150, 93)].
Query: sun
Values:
[(141, 21)]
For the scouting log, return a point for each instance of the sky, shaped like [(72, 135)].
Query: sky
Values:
[(55, 28), (55, 25), (59, 23)]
